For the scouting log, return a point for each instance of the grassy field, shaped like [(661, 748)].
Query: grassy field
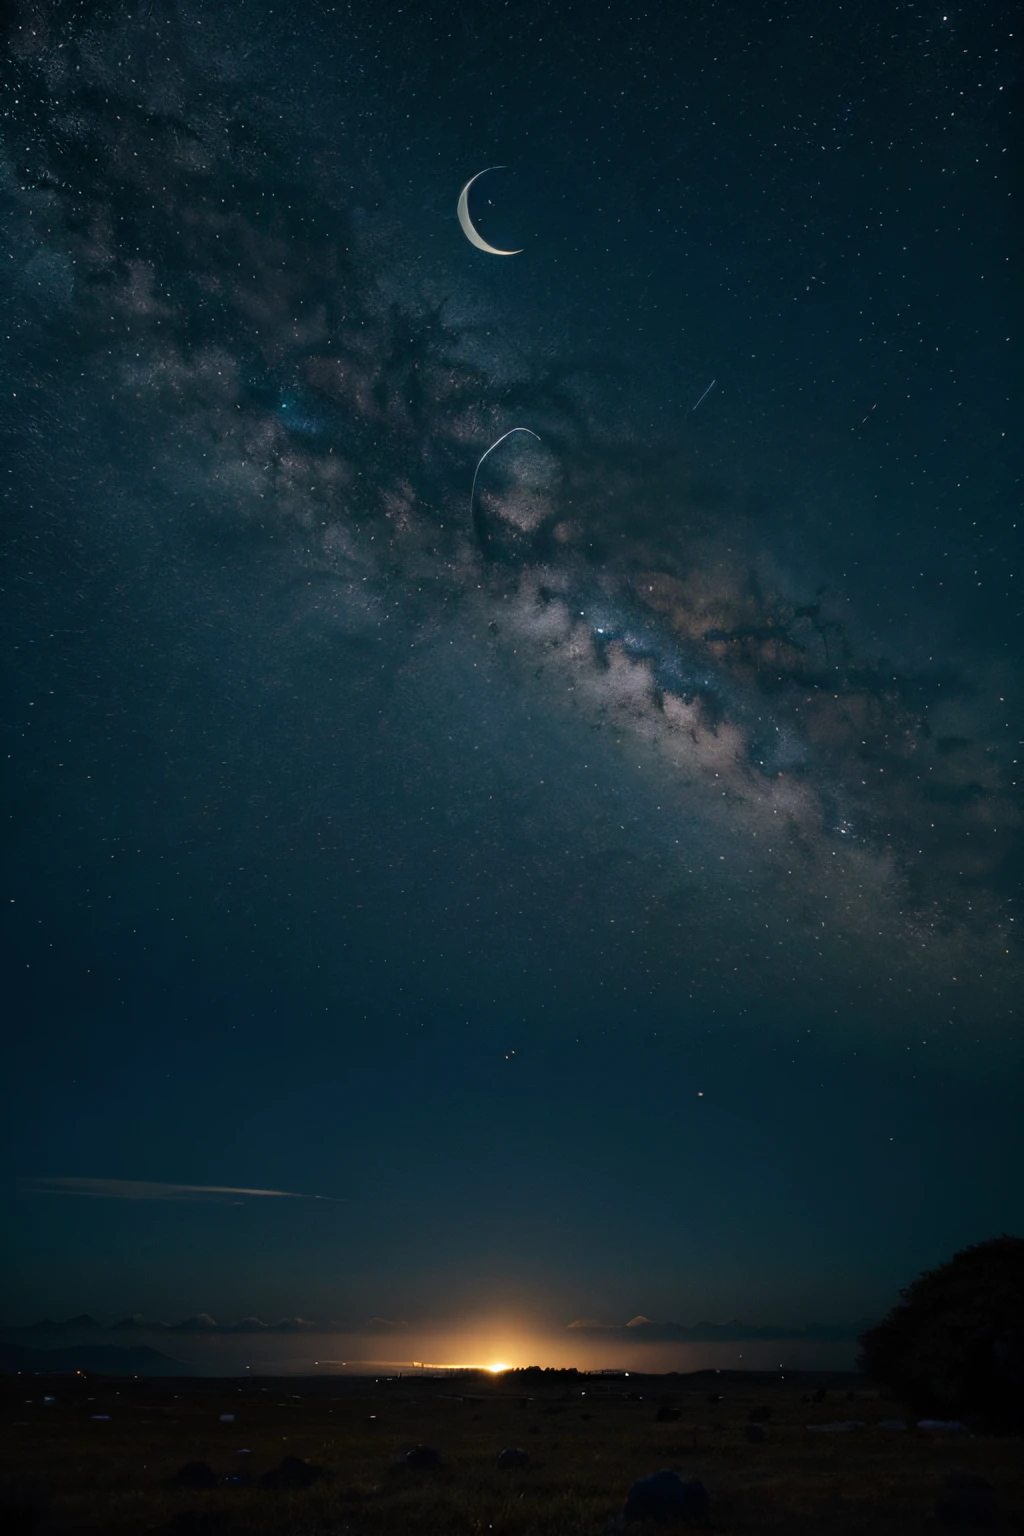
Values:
[(587, 1442)]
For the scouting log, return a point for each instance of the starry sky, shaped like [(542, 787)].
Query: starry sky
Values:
[(604, 895)]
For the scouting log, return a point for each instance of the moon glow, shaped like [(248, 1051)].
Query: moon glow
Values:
[(467, 223)]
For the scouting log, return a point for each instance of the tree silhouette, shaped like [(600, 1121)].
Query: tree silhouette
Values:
[(954, 1346)]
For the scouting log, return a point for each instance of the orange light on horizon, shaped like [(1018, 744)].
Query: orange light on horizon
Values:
[(495, 1369)]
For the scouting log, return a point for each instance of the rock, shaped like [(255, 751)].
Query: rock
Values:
[(756, 1433), (422, 1458), (195, 1474), (665, 1496), (944, 1426), (293, 1473), (838, 1427), (667, 1415), (513, 1457), (966, 1502), (760, 1415)]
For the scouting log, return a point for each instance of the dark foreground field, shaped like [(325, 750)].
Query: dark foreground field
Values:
[(69, 1470)]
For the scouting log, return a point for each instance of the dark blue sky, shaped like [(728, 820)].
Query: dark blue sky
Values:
[(609, 892)]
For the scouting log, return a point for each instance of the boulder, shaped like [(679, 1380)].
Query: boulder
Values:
[(293, 1473), (423, 1458), (667, 1415), (666, 1496), (195, 1474), (513, 1457), (756, 1433)]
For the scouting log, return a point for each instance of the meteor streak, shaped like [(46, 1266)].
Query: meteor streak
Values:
[(704, 395), (472, 494)]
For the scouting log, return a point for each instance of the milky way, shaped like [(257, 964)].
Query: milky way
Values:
[(258, 337)]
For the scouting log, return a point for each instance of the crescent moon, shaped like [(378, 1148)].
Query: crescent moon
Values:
[(467, 223)]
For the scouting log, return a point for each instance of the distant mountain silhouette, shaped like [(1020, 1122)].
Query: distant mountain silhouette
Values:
[(637, 1330), (204, 1323), (733, 1332), (104, 1359), (83, 1323), (200, 1322)]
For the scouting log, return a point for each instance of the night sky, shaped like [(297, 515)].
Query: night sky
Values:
[(606, 895)]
